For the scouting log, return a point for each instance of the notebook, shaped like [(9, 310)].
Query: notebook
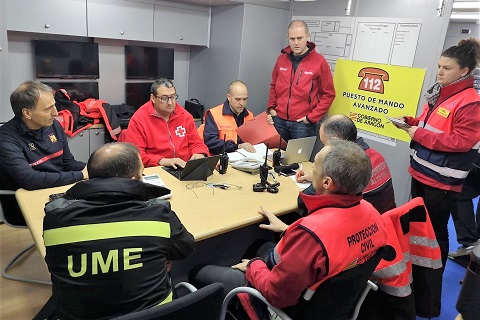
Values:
[(197, 169), (242, 154), (299, 150)]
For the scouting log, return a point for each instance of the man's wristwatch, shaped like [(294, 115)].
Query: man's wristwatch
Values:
[(251, 260)]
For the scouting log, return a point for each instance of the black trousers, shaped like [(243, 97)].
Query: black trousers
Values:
[(231, 278), (467, 222), (439, 204)]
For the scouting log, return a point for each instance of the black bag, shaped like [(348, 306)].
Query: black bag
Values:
[(195, 108)]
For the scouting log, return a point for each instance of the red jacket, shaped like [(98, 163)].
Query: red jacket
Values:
[(157, 138), (447, 139), (342, 231), (307, 92)]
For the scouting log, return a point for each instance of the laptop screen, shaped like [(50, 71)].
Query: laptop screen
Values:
[(197, 169), (299, 150)]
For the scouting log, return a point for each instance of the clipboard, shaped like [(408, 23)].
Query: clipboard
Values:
[(258, 130)]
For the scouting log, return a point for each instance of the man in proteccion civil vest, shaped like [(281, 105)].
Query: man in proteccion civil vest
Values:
[(224, 119), (342, 231)]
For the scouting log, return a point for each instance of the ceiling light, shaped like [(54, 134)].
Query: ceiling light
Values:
[(466, 5), (464, 16)]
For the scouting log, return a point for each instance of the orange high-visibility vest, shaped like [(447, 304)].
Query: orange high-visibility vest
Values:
[(225, 123), (415, 244)]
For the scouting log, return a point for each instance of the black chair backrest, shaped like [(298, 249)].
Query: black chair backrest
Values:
[(12, 215), (203, 304), (336, 297)]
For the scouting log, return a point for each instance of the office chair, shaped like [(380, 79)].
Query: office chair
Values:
[(201, 304), (336, 298), (15, 223)]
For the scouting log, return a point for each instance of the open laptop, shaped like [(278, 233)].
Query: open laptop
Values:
[(197, 169), (299, 150)]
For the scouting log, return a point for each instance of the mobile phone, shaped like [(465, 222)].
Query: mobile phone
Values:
[(287, 172), (398, 122)]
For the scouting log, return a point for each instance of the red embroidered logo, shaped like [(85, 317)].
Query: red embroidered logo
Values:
[(180, 131)]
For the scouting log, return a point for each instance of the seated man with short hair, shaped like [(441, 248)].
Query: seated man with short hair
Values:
[(109, 240), (35, 152), (379, 191), (223, 120), (164, 132), (342, 232)]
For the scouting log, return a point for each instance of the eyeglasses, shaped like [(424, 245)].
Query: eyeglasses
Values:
[(191, 186), (164, 99)]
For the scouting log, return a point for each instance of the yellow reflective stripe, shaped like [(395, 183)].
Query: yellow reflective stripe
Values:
[(103, 231), (169, 298)]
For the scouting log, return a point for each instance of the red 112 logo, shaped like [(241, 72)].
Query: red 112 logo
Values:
[(372, 79)]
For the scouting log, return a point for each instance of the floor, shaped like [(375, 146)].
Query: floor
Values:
[(20, 300), (454, 273)]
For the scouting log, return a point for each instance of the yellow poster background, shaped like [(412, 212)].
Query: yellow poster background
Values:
[(367, 92)]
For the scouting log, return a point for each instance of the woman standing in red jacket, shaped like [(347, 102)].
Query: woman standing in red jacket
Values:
[(445, 137)]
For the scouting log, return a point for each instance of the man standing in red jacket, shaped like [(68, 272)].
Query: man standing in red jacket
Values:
[(301, 90), (164, 132)]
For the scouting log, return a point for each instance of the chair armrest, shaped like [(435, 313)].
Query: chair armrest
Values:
[(256, 294), (370, 286), (186, 285)]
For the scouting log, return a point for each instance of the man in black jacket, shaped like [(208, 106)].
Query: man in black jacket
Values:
[(109, 240), (35, 152)]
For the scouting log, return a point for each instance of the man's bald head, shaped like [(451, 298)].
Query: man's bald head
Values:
[(236, 85), (237, 96), (298, 24), (338, 126), (115, 160)]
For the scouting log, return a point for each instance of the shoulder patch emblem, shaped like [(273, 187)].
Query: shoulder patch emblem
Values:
[(53, 138)]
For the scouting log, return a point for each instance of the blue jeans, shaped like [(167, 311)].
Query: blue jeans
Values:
[(292, 129)]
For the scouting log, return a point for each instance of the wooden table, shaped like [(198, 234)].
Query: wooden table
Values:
[(205, 212)]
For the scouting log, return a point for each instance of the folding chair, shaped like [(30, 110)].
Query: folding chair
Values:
[(14, 223), (337, 298)]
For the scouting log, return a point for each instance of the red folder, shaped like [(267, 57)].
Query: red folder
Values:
[(258, 130)]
